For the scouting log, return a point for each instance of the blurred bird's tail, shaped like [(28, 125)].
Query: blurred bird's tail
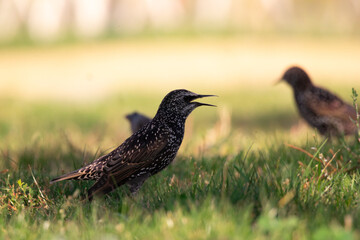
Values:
[(72, 175)]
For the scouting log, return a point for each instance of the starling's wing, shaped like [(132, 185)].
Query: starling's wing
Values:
[(136, 153), (324, 103)]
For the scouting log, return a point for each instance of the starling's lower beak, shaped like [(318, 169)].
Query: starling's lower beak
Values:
[(204, 104)]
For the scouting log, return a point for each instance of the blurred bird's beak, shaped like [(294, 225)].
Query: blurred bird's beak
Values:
[(204, 104), (278, 81)]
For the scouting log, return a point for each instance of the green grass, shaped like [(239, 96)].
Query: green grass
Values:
[(231, 180)]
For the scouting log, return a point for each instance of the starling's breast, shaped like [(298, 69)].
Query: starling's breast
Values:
[(163, 161), (175, 132), (302, 100)]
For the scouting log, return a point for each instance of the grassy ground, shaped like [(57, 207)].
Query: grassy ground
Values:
[(234, 178)]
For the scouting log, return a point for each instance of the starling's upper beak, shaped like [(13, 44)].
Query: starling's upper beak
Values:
[(203, 104)]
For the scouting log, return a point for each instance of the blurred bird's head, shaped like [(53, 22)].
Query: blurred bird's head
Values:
[(180, 103), (297, 78), (137, 121), (132, 116), (135, 116)]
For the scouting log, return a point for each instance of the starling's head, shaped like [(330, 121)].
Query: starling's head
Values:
[(181, 103), (297, 78)]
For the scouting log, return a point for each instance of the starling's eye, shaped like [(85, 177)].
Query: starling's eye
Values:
[(189, 98)]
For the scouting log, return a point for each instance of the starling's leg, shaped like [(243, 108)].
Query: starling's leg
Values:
[(136, 183), (101, 187)]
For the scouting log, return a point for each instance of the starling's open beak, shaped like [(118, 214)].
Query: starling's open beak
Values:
[(203, 104)]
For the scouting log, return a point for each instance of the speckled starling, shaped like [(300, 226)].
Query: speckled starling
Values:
[(146, 152), (320, 108), (137, 121)]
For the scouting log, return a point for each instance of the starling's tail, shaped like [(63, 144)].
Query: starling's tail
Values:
[(71, 175)]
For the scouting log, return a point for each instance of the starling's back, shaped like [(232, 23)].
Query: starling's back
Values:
[(327, 112)]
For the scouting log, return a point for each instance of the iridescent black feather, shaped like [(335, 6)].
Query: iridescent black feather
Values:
[(146, 152)]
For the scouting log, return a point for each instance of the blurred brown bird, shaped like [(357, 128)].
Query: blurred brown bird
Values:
[(137, 121), (320, 108), (146, 152)]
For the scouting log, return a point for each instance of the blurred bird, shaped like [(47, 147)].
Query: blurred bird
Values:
[(146, 152), (319, 107), (137, 121)]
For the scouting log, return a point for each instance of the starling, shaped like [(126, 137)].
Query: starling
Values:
[(146, 152), (137, 121), (320, 108)]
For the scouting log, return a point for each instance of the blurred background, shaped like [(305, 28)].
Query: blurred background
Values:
[(85, 49), (76, 67)]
